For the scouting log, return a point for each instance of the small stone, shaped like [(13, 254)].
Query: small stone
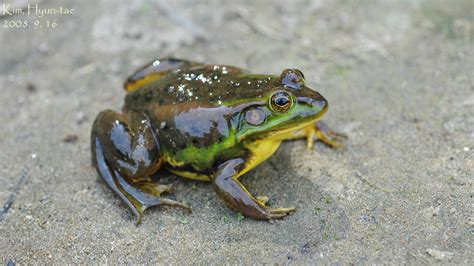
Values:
[(439, 255), (305, 248), (431, 211), (81, 117), (43, 48), (30, 87), (70, 138), (470, 221)]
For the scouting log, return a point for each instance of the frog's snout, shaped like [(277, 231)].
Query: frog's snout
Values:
[(316, 105), (319, 103)]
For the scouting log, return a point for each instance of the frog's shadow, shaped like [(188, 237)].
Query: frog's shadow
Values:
[(318, 217)]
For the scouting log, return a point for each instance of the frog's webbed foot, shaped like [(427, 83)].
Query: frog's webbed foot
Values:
[(321, 131), (238, 198), (125, 164), (330, 137)]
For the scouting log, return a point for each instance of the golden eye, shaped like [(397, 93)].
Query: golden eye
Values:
[(281, 102)]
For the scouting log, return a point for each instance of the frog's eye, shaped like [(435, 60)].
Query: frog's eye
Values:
[(292, 78), (281, 102), (255, 117)]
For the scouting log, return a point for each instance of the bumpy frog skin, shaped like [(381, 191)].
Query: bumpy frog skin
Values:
[(204, 122)]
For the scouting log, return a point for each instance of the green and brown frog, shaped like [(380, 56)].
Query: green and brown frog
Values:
[(204, 122)]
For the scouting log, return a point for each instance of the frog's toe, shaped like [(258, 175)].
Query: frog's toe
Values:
[(328, 136), (163, 188), (336, 140), (263, 199), (151, 187), (275, 213), (337, 136), (141, 204), (173, 203), (286, 210)]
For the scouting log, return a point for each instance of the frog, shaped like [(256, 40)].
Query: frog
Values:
[(205, 122)]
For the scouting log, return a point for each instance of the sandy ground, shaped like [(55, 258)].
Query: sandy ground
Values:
[(399, 79)]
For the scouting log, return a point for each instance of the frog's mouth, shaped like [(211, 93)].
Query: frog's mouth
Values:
[(304, 118), (288, 133)]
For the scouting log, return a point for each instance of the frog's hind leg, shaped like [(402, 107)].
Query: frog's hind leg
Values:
[(125, 164), (237, 197)]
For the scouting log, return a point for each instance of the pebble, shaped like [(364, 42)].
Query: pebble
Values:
[(439, 255)]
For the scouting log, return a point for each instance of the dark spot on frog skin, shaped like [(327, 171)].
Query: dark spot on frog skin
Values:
[(149, 96)]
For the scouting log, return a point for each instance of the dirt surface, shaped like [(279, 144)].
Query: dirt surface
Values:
[(399, 79)]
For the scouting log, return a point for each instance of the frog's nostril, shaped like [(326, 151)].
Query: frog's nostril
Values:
[(319, 103), (305, 100)]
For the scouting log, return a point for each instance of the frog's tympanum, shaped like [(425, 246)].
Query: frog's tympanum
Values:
[(204, 122)]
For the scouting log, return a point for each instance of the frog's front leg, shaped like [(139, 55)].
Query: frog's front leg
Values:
[(320, 131), (238, 198), (125, 153)]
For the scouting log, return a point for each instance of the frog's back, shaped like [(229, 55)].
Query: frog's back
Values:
[(214, 85)]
